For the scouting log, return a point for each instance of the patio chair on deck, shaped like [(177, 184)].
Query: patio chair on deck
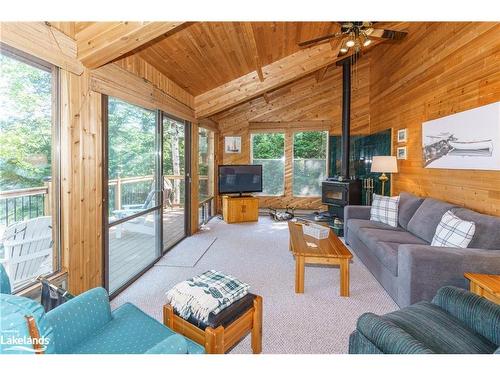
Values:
[(140, 224), (27, 249)]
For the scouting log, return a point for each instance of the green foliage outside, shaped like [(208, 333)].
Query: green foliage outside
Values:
[(25, 124), (309, 166), (310, 145), (131, 140), (268, 150), (268, 145)]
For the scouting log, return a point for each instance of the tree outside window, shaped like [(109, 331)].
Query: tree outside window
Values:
[(268, 150), (309, 162)]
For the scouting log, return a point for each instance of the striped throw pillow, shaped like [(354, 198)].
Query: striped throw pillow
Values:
[(453, 231), (385, 210)]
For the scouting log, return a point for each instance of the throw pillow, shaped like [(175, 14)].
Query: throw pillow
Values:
[(453, 231), (385, 210)]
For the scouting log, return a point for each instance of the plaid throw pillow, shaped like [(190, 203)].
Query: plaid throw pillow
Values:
[(385, 210), (453, 231)]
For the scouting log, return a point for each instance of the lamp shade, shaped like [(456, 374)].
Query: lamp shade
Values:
[(384, 164)]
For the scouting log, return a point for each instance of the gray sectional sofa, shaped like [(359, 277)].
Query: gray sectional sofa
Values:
[(403, 261)]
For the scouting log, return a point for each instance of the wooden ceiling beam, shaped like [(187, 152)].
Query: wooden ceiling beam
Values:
[(266, 97), (103, 42), (247, 27), (278, 74), (42, 40)]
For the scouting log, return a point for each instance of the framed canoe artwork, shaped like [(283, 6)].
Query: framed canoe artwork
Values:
[(464, 140), (232, 145)]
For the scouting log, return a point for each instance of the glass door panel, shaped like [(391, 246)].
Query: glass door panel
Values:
[(174, 181), (133, 219), (206, 175)]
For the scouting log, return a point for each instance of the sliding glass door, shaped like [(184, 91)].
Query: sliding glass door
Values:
[(132, 221), (146, 188), (175, 186)]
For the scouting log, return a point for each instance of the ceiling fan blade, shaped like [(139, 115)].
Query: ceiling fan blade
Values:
[(319, 39), (387, 34)]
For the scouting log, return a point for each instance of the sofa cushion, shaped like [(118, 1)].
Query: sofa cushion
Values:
[(427, 217), (487, 235), (408, 205), (370, 237), (453, 231), (387, 254), (129, 332), (385, 210), (438, 330), (356, 224)]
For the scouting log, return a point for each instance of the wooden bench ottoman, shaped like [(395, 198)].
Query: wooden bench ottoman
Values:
[(223, 330)]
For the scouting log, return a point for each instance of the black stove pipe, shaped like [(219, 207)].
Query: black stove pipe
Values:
[(346, 116)]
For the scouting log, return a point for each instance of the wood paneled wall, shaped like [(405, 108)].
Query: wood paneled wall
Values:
[(307, 104), (81, 196), (440, 69)]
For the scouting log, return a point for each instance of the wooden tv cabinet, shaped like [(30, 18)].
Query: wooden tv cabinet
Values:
[(240, 209)]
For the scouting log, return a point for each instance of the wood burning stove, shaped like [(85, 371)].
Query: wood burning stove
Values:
[(338, 194)]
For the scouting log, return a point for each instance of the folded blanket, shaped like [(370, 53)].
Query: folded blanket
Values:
[(210, 292)]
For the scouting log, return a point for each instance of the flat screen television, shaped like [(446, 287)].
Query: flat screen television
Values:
[(240, 179)]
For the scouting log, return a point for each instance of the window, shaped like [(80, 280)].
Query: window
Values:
[(309, 162), (268, 149), (206, 174), (29, 168)]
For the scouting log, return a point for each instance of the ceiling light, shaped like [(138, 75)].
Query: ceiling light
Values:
[(343, 49), (350, 43), (367, 42)]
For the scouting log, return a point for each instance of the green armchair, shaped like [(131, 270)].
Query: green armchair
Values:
[(84, 325), (456, 321)]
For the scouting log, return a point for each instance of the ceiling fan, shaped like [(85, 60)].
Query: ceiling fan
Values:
[(357, 35)]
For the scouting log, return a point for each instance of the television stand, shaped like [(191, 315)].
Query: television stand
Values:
[(239, 209)]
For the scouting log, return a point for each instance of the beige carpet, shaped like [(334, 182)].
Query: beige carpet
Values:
[(318, 321), (188, 252)]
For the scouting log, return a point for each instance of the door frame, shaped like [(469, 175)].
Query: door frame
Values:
[(187, 175)]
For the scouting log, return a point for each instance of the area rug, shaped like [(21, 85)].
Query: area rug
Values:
[(188, 252), (318, 321)]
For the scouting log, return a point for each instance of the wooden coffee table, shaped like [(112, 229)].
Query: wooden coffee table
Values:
[(309, 250)]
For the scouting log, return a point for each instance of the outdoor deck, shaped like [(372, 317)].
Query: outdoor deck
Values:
[(136, 249)]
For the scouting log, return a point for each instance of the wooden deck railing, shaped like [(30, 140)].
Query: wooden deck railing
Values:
[(21, 204)]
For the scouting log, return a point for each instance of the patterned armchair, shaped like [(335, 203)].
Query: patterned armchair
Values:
[(455, 322), (83, 325)]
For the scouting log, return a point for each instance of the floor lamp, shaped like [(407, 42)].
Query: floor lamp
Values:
[(384, 164)]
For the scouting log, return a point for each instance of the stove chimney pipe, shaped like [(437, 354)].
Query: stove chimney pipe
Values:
[(346, 116)]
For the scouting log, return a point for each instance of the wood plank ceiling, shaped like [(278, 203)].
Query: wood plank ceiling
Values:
[(223, 64), (206, 55)]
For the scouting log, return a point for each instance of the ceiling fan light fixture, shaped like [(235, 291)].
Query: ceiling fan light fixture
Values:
[(367, 42), (344, 49), (350, 43)]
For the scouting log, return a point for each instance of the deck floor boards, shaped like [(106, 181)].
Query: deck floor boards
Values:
[(136, 248)]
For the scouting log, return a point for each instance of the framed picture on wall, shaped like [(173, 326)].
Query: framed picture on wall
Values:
[(401, 153), (463, 140), (232, 145), (402, 135)]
